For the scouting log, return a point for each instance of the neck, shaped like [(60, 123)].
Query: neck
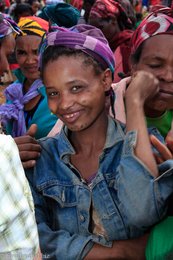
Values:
[(27, 84), (91, 139)]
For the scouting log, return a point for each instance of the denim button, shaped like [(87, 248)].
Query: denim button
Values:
[(82, 218)]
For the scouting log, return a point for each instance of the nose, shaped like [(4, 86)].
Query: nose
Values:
[(31, 59), (167, 74), (66, 101)]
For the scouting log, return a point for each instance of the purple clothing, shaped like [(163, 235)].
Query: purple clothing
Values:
[(15, 109), (83, 37)]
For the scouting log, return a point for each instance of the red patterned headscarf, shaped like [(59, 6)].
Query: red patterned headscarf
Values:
[(110, 8), (158, 22)]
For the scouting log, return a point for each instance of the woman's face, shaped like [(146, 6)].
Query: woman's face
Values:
[(109, 27), (75, 94), (35, 7), (6, 49), (27, 55), (157, 58)]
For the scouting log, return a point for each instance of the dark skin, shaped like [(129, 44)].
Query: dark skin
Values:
[(130, 249), (29, 149), (69, 100)]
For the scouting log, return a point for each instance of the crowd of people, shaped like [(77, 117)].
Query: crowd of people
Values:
[(86, 130)]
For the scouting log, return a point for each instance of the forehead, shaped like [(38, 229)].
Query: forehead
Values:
[(28, 42), (159, 46), (8, 43), (67, 69)]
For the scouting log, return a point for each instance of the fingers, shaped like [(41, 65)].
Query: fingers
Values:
[(165, 153), (158, 158), (29, 158), (26, 155), (29, 164), (32, 130), (29, 147), (169, 140), (29, 150), (24, 140)]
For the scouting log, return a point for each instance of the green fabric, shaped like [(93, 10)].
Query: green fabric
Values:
[(160, 243), (162, 123), (61, 14)]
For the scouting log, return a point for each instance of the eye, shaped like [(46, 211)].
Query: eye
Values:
[(21, 52), (52, 94), (76, 89), (154, 65)]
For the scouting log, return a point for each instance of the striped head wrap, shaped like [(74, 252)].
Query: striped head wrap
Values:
[(32, 25), (7, 26), (86, 38), (158, 22)]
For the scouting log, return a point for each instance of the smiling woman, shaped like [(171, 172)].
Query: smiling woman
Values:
[(95, 183), (26, 98)]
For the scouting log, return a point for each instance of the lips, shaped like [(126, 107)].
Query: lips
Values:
[(71, 117), (32, 69), (169, 92)]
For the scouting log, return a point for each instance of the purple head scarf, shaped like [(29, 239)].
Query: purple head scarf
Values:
[(83, 37), (7, 26), (14, 111)]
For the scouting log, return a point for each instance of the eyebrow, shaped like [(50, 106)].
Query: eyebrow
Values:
[(153, 58)]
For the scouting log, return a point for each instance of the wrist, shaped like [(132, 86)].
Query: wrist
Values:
[(132, 102)]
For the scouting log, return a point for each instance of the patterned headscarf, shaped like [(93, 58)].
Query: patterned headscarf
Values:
[(110, 8), (32, 25), (158, 22), (62, 14), (7, 26), (83, 37)]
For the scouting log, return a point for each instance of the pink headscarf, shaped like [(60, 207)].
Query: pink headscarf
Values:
[(158, 22), (110, 8)]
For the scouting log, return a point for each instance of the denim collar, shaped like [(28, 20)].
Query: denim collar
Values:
[(114, 135)]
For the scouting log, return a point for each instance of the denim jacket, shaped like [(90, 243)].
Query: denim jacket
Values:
[(128, 200)]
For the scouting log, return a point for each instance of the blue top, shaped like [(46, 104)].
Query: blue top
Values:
[(41, 116), (124, 195)]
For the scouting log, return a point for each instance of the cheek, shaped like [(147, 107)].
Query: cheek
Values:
[(52, 105), (20, 60), (3, 63)]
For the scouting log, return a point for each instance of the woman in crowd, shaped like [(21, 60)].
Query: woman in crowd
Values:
[(26, 97), (110, 17), (152, 57), (18, 232), (21, 10), (94, 182)]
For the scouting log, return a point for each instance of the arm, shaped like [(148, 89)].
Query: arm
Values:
[(133, 249), (29, 149), (19, 238), (142, 87)]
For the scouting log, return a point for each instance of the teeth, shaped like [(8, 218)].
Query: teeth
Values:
[(70, 115)]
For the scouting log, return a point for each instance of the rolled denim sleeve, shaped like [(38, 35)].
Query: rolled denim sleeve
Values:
[(56, 244), (146, 196)]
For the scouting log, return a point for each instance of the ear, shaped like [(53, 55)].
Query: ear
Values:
[(107, 79), (113, 20), (133, 67)]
